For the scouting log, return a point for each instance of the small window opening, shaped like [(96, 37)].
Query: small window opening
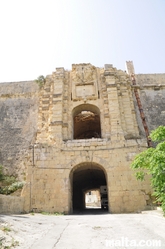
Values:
[(87, 125)]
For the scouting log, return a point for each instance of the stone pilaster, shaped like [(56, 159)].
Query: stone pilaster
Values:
[(56, 117), (115, 120)]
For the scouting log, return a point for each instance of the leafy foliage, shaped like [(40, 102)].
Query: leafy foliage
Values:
[(153, 160), (7, 190), (40, 81), (9, 184)]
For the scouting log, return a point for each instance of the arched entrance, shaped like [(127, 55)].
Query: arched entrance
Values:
[(85, 177), (86, 122)]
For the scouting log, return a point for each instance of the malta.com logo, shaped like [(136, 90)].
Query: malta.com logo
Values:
[(125, 242)]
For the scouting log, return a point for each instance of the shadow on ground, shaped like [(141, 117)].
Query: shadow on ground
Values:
[(90, 211)]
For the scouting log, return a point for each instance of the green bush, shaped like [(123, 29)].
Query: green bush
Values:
[(40, 81), (9, 184), (153, 160), (7, 190)]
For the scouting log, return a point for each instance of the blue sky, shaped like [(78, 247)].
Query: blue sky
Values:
[(36, 36)]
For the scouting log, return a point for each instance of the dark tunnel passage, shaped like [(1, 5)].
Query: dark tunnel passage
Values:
[(86, 122), (85, 177)]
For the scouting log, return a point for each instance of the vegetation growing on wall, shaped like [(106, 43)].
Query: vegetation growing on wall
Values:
[(8, 183), (40, 81), (153, 160)]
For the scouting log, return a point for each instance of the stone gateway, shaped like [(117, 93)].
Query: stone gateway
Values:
[(80, 131)]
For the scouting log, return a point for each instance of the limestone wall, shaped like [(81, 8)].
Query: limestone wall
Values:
[(18, 122), (11, 204), (45, 119), (19, 105), (49, 181), (152, 94)]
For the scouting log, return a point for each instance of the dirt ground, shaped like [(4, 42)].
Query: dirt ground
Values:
[(82, 231)]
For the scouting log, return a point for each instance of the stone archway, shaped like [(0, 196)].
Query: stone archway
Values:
[(83, 177), (86, 122)]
